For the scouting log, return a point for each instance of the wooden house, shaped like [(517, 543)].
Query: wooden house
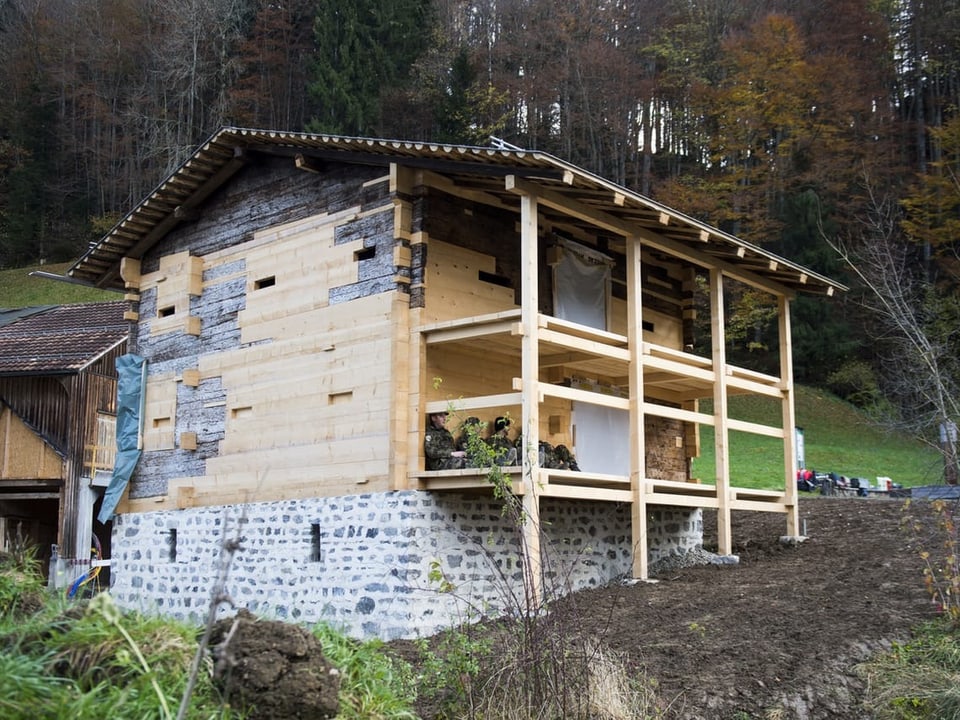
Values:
[(57, 417), (304, 302)]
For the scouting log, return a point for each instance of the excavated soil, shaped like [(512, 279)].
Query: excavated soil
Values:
[(780, 633), (777, 635)]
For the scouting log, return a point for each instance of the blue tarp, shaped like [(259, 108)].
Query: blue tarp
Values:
[(131, 381)]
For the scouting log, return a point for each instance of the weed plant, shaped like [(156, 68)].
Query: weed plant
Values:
[(938, 543), (917, 680), (372, 684)]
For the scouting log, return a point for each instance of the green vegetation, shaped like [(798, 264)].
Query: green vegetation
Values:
[(373, 684), (917, 680), (62, 659), (837, 437), (71, 660), (19, 289)]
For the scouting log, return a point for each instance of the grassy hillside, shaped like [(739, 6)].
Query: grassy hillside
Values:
[(836, 438), (19, 289)]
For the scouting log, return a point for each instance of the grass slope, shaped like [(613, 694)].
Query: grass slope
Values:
[(836, 438), (18, 289)]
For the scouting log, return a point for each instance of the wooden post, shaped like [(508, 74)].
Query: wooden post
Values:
[(789, 419), (638, 468), (530, 395), (721, 433), (406, 421)]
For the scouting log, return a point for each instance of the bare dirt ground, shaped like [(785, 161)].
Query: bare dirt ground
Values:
[(776, 636), (784, 629)]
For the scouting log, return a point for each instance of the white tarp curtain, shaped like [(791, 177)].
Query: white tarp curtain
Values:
[(581, 281), (581, 288)]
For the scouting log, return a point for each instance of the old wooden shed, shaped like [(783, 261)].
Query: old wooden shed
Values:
[(57, 417), (303, 302)]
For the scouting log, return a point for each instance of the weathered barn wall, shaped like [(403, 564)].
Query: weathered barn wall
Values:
[(363, 562), (271, 376)]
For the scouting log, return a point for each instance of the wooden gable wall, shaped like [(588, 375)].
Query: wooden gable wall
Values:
[(286, 389)]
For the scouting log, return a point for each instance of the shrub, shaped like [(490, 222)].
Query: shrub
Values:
[(939, 548), (855, 382)]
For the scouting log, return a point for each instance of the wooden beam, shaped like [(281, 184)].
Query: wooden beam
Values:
[(755, 428), (674, 413), (473, 403), (588, 346), (587, 396), (530, 400), (307, 164), (638, 443), (789, 419), (585, 493), (609, 222), (720, 413)]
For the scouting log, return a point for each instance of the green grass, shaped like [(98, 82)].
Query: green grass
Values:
[(836, 438), (88, 660), (918, 680), (19, 289)]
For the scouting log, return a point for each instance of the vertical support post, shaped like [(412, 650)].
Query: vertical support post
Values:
[(638, 447), (721, 432), (410, 354), (530, 393), (789, 418)]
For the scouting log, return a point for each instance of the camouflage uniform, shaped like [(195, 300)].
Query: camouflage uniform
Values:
[(471, 427), (564, 459), (438, 446), (504, 452)]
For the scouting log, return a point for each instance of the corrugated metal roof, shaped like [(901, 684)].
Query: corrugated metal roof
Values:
[(61, 339), (568, 195)]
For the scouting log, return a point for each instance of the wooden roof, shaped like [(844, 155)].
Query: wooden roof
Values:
[(61, 339), (568, 196)]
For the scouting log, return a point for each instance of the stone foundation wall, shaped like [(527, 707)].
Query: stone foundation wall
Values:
[(374, 565)]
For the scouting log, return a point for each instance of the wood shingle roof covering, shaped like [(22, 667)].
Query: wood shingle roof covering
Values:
[(61, 339), (568, 196)]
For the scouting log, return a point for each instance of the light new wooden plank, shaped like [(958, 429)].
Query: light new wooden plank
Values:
[(754, 428), (313, 467), (759, 506), (677, 413), (585, 493), (474, 403), (696, 501), (592, 347), (574, 394)]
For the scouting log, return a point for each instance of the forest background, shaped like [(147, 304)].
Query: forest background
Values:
[(819, 130)]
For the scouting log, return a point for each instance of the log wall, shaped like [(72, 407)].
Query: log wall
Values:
[(271, 377)]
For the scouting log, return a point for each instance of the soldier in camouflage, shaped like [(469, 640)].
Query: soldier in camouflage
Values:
[(468, 441), (504, 451), (439, 446)]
